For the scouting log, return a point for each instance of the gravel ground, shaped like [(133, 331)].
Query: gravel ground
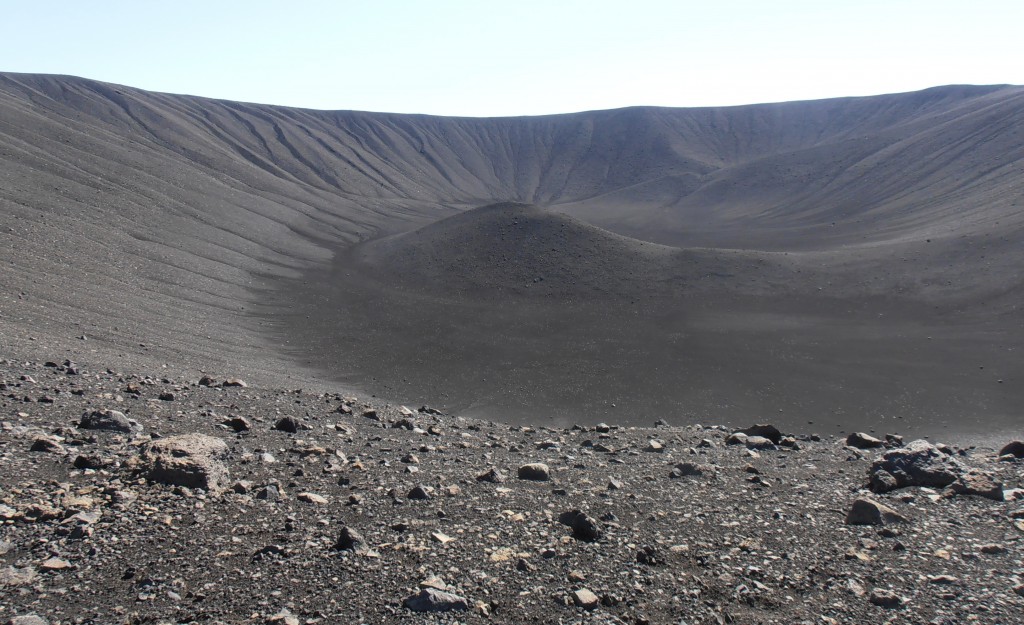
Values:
[(372, 513)]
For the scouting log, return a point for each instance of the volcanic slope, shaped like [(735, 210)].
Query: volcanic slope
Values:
[(192, 233), (510, 250)]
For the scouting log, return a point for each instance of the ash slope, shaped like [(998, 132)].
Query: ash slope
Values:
[(161, 227)]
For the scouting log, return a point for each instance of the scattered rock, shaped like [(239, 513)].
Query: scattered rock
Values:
[(860, 440), (649, 555), (312, 498), (235, 382), (583, 527), (867, 512), (108, 420), (770, 432), (433, 600), (91, 461), (47, 444), (270, 492), (537, 472), (291, 425), (585, 599), (56, 564), (736, 438), (27, 619), (419, 492), (237, 424), (494, 476), (759, 442), (886, 599), (689, 469), (350, 539)]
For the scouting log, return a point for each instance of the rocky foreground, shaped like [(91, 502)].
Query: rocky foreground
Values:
[(129, 499)]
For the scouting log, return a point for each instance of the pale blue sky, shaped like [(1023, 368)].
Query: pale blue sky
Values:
[(526, 57)]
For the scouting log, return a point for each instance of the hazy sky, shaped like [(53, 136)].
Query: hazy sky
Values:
[(485, 58)]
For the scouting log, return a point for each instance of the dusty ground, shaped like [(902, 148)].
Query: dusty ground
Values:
[(759, 537)]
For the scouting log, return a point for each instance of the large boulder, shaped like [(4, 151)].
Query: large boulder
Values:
[(919, 463), (190, 460)]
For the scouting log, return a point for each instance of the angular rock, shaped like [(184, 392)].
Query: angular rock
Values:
[(868, 512), (978, 483), (759, 442), (893, 440), (190, 460), (585, 599), (237, 424), (433, 600), (419, 492), (47, 444), (91, 461), (770, 432), (536, 471), (350, 539), (886, 599), (689, 469), (109, 421), (860, 440), (583, 527), (919, 463), (494, 476), (649, 555), (56, 564), (270, 492), (291, 425)]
